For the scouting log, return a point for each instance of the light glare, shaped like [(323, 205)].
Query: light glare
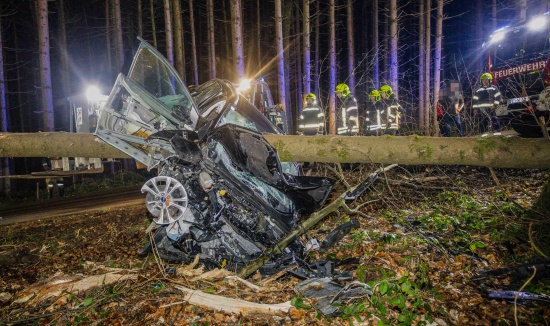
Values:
[(93, 94), (537, 23)]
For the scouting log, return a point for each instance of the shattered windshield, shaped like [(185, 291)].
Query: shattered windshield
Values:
[(244, 114), (153, 74)]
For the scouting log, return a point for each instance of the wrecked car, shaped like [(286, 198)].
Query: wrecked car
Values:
[(221, 190)]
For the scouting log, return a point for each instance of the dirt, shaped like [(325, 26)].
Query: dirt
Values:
[(392, 251)]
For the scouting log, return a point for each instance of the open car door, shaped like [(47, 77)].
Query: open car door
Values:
[(151, 98)]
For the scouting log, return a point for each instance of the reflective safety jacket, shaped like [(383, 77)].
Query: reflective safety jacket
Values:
[(389, 114), (346, 117), (372, 118), (312, 120), (487, 97)]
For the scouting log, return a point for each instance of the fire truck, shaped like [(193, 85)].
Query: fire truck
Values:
[(518, 60)]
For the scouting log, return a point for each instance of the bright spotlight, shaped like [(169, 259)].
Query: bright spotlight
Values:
[(497, 37), (537, 24), (93, 94), (244, 85)]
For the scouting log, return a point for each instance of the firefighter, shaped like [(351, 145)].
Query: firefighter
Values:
[(372, 126), (347, 122), (486, 99), (312, 119), (390, 111)]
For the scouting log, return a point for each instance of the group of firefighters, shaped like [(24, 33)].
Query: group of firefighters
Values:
[(382, 115)]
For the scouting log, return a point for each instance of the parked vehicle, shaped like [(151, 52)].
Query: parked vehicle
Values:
[(517, 57)]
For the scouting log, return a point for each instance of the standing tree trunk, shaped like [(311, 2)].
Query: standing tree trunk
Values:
[(375, 40), (140, 17), (178, 39), (168, 32), (287, 26), (437, 62), (299, 72), (351, 46), (193, 44), (64, 67), (45, 70), (427, 65), (393, 48), (307, 48), (280, 53), (153, 25), (118, 36), (258, 35), (4, 117), (522, 9), (211, 40), (108, 35), (317, 63), (421, 61), (495, 15), (332, 68), (238, 56)]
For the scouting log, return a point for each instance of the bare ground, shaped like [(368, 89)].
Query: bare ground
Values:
[(425, 233)]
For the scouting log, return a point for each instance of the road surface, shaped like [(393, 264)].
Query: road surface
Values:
[(113, 198)]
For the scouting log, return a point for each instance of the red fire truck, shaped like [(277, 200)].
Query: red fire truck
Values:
[(518, 60)]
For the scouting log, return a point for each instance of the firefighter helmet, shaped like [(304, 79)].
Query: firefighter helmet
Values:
[(342, 88), (376, 95), (386, 89), (486, 76), (311, 96)]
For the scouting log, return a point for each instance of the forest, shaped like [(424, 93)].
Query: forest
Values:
[(407, 228)]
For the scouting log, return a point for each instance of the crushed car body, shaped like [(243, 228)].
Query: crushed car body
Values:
[(220, 190)]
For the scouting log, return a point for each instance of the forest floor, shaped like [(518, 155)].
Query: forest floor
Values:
[(426, 233)]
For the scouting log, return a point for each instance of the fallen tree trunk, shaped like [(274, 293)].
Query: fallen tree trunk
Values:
[(56, 144), (498, 152)]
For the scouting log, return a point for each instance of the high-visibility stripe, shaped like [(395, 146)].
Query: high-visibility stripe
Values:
[(320, 115), (312, 125), (497, 94), (351, 108), (302, 117), (311, 109), (496, 102), (321, 124), (476, 97), (481, 105), (301, 126)]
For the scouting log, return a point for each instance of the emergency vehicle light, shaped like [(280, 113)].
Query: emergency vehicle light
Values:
[(537, 24), (498, 36)]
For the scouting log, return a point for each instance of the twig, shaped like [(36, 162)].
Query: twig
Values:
[(279, 274), (251, 286), (521, 289), (531, 240), (494, 176)]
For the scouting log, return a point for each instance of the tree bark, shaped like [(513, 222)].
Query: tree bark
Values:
[(427, 64), (375, 41), (317, 45), (280, 53), (45, 69), (238, 56), (140, 17), (108, 15), (168, 32), (421, 62), (193, 43), (211, 40), (351, 46), (393, 48), (522, 10), (179, 50), (307, 47), (498, 152), (332, 68), (437, 63), (119, 50), (153, 25), (4, 116)]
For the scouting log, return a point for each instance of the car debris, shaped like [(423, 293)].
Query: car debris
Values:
[(221, 190), (518, 296), (328, 295)]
